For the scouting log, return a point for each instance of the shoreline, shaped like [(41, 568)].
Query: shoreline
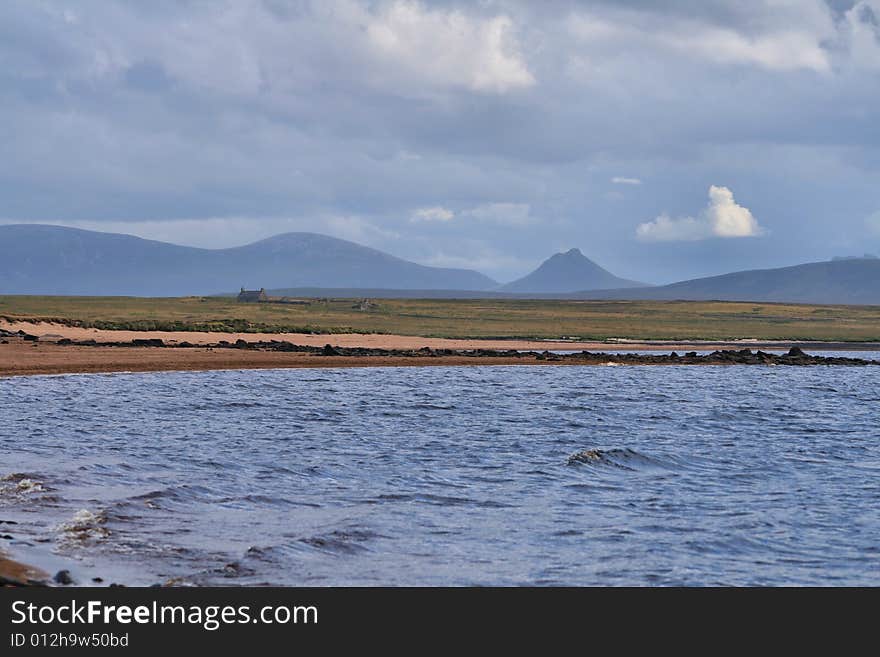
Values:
[(17, 573), (45, 360), (26, 355), (49, 332)]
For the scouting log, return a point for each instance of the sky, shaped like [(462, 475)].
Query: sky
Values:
[(666, 140)]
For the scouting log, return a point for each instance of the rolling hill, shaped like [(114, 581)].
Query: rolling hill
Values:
[(54, 260), (839, 281), (41, 259)]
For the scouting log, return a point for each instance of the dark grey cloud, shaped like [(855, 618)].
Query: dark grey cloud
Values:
[(208, 122)]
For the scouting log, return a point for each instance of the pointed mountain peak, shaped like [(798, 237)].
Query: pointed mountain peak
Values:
[(571, 253), (570, 271)]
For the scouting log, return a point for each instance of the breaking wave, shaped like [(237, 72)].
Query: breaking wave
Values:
[(621, 458), (23, 488), (84, 527)]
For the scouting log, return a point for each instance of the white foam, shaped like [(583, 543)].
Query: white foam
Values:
[(85, 526)]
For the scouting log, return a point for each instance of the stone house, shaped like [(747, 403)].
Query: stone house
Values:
[(252, 296)]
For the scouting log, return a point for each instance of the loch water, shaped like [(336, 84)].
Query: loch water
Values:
[(739, 475)]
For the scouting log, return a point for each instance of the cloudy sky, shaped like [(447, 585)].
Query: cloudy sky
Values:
[(665, 139)]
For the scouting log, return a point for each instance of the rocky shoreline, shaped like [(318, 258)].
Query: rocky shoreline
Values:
[(794, 357), (15, 573)]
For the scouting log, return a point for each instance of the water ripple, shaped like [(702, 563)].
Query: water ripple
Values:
[(457, 476)]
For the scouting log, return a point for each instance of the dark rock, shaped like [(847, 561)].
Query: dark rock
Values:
[(63, 577), (794, 357), (27, 337), (586, 456), (147, 342)]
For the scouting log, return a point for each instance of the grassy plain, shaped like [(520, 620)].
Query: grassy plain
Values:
[(466, 318)]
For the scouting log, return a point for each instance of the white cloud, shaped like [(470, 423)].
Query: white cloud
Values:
[(860, 33), (723, 217), (621, 180), (436, 213), (506, 214), (727, 218), (666, 229), (451, 48), (786, 50), (793, 41)]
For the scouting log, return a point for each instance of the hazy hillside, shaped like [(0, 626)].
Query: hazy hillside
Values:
[(37, 259), (568, 272), (843, 281)]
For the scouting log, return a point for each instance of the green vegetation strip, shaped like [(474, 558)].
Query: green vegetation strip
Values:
[(468, 318)]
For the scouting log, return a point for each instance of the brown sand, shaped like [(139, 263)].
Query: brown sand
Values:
[(50, 331), (19, 358), (14, 573)]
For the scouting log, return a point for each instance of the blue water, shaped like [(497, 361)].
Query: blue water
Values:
[(708, 475)]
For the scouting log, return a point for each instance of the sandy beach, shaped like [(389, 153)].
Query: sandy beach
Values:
[(23, 358), (109, 351), (48, 332), (15, 573)]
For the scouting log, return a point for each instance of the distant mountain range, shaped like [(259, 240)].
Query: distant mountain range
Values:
[(571, 271), (838, 281), (39, 259)]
